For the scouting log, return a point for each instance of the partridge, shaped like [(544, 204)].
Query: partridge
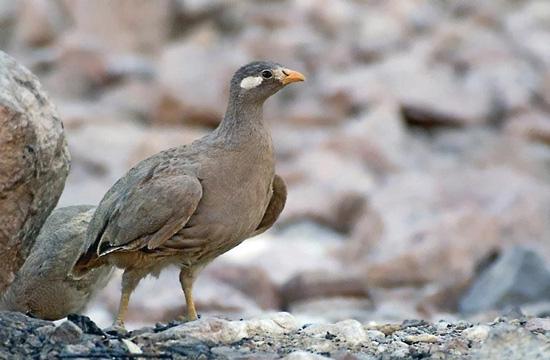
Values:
[(187, 205), (43, 287)]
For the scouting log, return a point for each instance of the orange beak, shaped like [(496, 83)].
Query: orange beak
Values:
[(292, 76)]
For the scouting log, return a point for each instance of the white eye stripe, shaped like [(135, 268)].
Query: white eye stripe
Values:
[(251, 82)]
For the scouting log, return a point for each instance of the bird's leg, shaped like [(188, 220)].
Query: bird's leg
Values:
[(129, 283), (187, 278)]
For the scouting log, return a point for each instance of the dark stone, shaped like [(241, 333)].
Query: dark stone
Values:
[(86, 324), (517, 277), (67, 332)]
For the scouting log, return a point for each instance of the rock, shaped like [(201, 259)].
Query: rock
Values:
[(518, 276), (388, 329), (516, 343), (66, 332), (421, 338), (196, 8), (537, 309), (8, 11), (43, 286), (22, 336), (218, 331), (324, 196), (457, 219), (307, 285), (181, 100), (80, 70), (376, 139), (486, 61), (34, 164), (40, 22), (533, 126), (132, 347), (419, 264), (86, 324), (380, 31), (134, 98), (477, 333), (375, 335), (348, 331), (304, 355), (530, 18), (313, 244), (273, 323), (538, 324), (109, 24), (438, 93)]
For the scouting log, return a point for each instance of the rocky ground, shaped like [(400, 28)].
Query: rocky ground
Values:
[(276, 336)]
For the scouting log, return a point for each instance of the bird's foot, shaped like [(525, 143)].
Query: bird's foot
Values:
[(187, 318), (117, 328)]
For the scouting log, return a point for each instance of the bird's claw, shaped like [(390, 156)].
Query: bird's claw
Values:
[(186, 318), (117, 328)]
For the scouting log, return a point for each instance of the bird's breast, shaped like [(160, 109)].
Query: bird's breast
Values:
[(236, 192)]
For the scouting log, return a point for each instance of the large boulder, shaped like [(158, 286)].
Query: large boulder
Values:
[(34, 163)]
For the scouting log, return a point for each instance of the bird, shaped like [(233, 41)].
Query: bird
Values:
[(43, 287), (187, 205)]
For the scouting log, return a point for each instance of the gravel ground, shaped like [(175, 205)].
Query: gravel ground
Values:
[(275, 336)]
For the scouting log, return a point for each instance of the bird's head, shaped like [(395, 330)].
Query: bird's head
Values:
[(260, 79)]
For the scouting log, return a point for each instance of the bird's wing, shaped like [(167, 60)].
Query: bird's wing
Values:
[(275, 207), (149, 214)]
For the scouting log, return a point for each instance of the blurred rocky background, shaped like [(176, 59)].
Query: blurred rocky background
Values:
[(417, 154)]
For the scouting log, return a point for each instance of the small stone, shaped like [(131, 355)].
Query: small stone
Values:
[(389, 329), (276, 323), (350, 331), (537, 324), (401, 352), (132, 347), (44, 330), (427, 338), (304, 355), (76, 349), (67, 332), (375, 335), (477, 333)]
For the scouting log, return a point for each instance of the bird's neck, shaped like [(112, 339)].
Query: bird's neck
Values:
[(243, 125)]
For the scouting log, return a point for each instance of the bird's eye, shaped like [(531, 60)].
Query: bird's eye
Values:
[(266, 74)]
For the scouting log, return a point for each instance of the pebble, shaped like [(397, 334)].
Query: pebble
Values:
[(389, 329), (375, 335), (477, 333), (349, 331), (402, 351), (132, 347), (538, 324), (76, 349), (427, 338), (304, 355), (67, 332)]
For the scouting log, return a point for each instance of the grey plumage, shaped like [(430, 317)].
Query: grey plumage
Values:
[(43, 287)]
